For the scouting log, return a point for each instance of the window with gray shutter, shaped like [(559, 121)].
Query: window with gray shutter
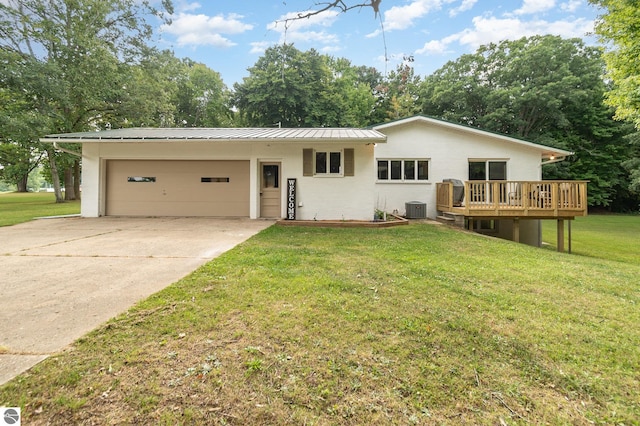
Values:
[(307, 162)]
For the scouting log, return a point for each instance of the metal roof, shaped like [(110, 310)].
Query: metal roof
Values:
[(222, 134)]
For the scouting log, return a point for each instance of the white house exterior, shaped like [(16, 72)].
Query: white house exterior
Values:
[(227, 172), (452, 151), (306, 174)]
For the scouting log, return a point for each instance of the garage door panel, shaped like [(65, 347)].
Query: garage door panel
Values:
[(177, 188)]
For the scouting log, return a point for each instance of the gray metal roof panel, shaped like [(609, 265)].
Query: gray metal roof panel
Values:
[(221, 134)]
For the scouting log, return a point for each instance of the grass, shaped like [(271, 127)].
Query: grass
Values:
[(613, 237), (411, 325), (22, 207)]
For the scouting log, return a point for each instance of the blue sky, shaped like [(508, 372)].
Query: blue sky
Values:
[(230, 36)]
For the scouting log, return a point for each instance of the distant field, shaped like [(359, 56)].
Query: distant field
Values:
[(613, 237), (22, 207)]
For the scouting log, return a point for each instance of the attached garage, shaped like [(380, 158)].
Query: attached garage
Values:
[(177, 188), (226, 172)]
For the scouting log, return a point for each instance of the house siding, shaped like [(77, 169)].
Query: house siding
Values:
[(449, 151), (344, 197)]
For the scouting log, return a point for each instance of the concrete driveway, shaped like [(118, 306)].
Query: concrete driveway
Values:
[(60, 278)]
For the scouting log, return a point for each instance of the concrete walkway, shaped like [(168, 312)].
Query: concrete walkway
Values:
[(60, 278)]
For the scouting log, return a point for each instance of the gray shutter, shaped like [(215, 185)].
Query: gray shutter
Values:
[(349, 162), (307, 162)]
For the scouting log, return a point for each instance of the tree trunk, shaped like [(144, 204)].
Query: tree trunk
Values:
[(68, 184), (76, 178), (55, 177), (22, 184)]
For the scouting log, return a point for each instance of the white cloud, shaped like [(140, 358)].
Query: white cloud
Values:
[(294, 30), (433, 47), (258, 47), (535, 6), (571, 5), (200, 29), (464, 6), (437, 47), (402, 17), (184, 6), (328, 50), (488, 29), (290, 21), (311, 37)]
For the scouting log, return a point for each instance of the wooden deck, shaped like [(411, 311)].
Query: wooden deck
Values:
[(515, 199)]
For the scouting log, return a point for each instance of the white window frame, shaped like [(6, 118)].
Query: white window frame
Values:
[(328, 153), (402, 170)]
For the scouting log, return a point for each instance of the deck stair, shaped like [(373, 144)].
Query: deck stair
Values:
[(453, 219)]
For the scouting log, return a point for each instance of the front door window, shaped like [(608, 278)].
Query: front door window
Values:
[(270, 178)]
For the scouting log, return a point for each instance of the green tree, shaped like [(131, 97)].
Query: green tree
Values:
[(149, 92), (618, 27), (399, 93), (305, 89), (20, 124), (351, 93), (545, 89), (284, 87), (202, 98), (80, 47)]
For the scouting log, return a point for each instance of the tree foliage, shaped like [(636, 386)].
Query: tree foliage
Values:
[(282, 88), (292, 88), (545, 89), (64, 60), (618, 27)]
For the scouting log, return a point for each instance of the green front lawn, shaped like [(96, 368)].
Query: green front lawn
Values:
[(22, 207), (419, 324)]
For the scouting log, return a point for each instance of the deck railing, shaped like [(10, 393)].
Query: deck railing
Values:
[(515, 198)]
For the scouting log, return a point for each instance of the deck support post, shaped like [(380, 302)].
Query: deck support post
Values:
[(569, 231), (561, 235), (516, 230), (471, 224)]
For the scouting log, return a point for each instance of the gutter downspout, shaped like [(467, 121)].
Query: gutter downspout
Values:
[(59, 148)]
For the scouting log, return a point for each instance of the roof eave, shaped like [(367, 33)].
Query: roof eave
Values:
[(213, 140)]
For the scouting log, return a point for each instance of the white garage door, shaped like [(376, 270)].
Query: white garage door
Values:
[(177, 188)]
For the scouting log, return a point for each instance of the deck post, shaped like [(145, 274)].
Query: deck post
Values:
[(561, 235), (569, 230), (516, 230)]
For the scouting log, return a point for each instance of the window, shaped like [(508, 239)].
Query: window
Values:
[(270, 176), (328, 163), (403, 170), (214, 179), (141, 179), (480, 169)]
